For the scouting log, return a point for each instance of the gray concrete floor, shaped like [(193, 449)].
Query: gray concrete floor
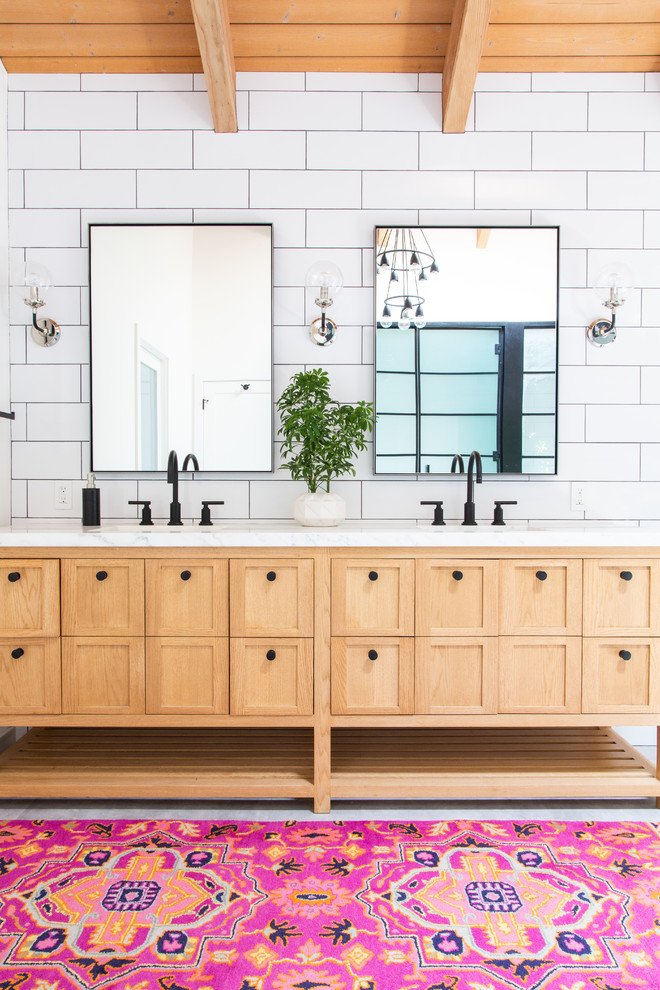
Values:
[(641, 809)]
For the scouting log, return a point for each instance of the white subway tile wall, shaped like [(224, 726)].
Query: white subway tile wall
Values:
[(326, 157)]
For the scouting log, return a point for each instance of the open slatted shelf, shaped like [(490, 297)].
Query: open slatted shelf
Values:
[(487, 763), (177, 763)]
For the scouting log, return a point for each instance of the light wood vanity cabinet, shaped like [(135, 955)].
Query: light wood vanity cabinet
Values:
[(317, 673)]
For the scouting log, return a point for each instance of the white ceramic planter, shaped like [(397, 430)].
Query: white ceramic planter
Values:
[(319, 509)]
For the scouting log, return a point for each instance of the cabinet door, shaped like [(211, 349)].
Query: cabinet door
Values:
[(102, 675), (456, 598), (539, 675), (30, 597), (29, 676), (102, 597), (186, 597), (187, 676), (620, 676), (272, 597), (621, 597), (372, 676), (373, 596), (541, 596), (455, 677), (271, 677)]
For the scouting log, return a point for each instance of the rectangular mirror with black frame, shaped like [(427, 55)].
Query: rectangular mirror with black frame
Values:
[(466, 348), (181, 345)]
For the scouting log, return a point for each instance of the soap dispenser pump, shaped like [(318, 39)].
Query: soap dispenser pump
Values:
[(91, 503)]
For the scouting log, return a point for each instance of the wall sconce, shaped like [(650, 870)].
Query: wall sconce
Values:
[(327, 280), (612, 285), (37, 277)]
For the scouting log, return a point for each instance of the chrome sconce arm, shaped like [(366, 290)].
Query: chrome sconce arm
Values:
[(611, 286), (326, 278), (45, 331)]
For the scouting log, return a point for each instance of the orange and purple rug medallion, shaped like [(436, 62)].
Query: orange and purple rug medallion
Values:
[(196, 905)]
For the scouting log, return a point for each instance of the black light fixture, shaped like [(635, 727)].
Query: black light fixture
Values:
[(405, 256)]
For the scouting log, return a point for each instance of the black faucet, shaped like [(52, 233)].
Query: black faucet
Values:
[(195, 462), (457, 463), (173, 480), (468, 508)]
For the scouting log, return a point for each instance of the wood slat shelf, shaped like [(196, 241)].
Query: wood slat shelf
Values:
[(487, 763), (120, 763)]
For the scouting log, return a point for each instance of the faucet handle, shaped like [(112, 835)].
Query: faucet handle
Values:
[(498, 515), (206, 512), (438, 517), (146, 511)]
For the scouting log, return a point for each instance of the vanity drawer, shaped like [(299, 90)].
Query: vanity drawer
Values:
[(102, 597), (540, 675), (621, 597), (187, 675), (103, 675), (30, 597), (372, 676), (271, 676), (29, 676), (621, 675), (541, 596), (271, 597), (373, 596), (456, 598), (455, 677), (186, 597)]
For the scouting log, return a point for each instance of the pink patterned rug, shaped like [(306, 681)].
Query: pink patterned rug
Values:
[(192, 905)]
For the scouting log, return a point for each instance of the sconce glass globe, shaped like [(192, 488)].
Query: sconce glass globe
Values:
[(613, 282), (325, 275), (37, 275)]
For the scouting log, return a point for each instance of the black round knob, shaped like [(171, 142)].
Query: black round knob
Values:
[(101, 575), (17, 653), (372, 654), (271, 654), (625, 654), (271, 576), (626, 575), (541, 575), (185, 575), (373, 575), (13, 576), (457, 575)]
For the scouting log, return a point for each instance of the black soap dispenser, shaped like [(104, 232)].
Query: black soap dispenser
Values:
[(91, 503)]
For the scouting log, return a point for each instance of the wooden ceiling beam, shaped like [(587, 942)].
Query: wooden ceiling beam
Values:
[(215, 47), (466, 41)]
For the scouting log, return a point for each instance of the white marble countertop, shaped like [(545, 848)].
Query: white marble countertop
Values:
[(385, 533)]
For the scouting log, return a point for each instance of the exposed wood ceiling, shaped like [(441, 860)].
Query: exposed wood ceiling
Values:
[(460, 37)]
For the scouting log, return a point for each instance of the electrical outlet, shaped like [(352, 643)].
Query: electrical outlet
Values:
[(577, 497), (62, 495)]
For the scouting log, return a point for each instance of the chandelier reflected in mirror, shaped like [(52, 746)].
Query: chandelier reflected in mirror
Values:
[(404, 257)]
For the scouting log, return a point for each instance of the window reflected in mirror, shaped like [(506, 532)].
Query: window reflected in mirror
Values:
[(466, 348)]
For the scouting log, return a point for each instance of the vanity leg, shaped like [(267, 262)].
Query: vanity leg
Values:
[(657, 762), (321, 770), (322, 730)]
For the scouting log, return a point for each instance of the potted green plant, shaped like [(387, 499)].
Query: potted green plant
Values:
[(320, 439)]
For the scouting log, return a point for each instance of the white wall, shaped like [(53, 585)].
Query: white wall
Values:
[(325, 157)]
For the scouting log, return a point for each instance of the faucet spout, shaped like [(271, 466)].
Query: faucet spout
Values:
[(195, 463), (173, 480), (457, 464), (469, 508)]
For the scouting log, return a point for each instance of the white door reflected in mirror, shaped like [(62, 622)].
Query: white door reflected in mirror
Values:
[(181, 322)]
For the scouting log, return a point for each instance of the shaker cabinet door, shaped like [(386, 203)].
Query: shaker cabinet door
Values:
[(29, 676), (102, 675), (373, 596), (456, 598), (456, 676), (272, 597), (271, 676), (542, 596), (103, 597), (372, 676), (621, 597), (30, 597), (187, 675), (621, 675), (186, 597), (540, 675)]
